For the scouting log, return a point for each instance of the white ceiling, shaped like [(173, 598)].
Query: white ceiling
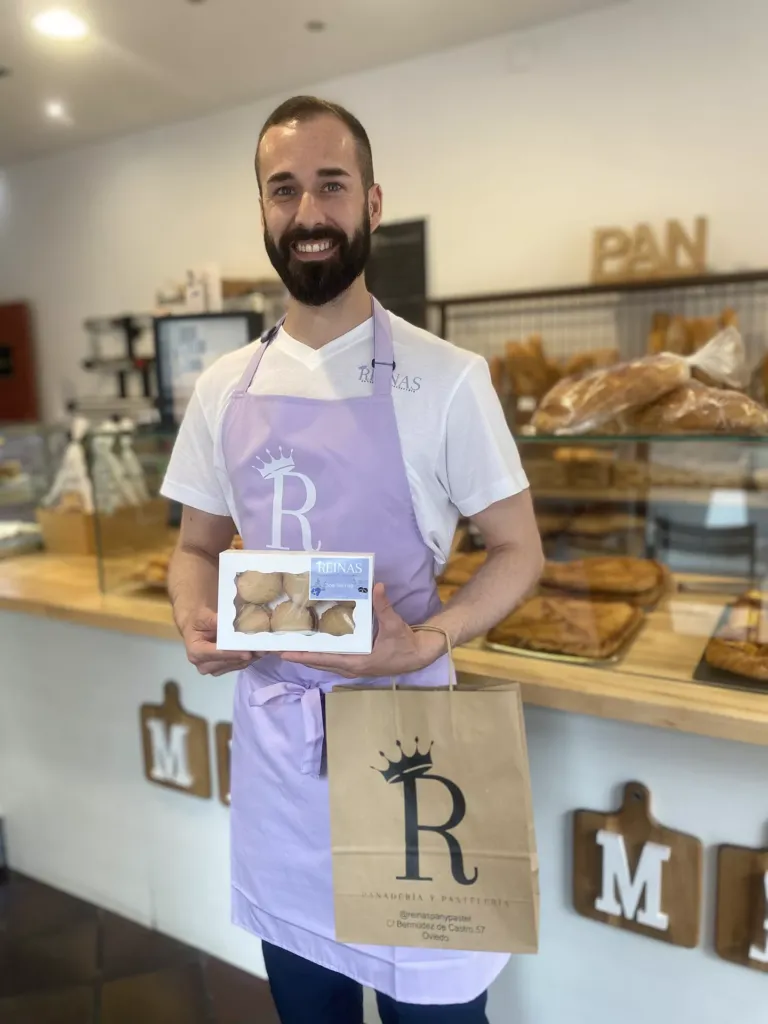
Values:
[(152, 62)]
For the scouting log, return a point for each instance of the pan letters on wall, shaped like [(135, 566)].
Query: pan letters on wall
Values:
[(642, 254)]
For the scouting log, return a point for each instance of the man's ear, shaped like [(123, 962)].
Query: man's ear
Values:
[(375, 205), (261, 212)]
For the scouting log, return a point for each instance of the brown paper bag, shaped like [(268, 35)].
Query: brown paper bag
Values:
[(431, 818)]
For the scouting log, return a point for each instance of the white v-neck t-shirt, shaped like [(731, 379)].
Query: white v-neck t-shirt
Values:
[(459, 454)]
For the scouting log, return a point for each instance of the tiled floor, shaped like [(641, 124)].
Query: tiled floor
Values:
[(63, 961)]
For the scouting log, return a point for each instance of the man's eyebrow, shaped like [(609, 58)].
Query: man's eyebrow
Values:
[(279, 176), (333, 172)]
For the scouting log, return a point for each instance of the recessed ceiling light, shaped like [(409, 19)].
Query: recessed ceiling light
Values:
[(56, 110), (60, 23), (315, 26)]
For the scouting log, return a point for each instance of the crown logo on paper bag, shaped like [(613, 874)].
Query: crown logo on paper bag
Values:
[(272, 466), (415, 764)]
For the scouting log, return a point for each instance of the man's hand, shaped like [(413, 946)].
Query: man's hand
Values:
[(199, 635), (397, 649)]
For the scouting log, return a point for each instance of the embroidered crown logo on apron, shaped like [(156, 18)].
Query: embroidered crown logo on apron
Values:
[(276, 470)]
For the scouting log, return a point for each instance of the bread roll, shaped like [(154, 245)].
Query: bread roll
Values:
[(252, 618), (290, 618), (339, 620), (259, 587), (296, 586)]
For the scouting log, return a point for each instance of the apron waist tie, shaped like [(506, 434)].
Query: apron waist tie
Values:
[(312, 713)]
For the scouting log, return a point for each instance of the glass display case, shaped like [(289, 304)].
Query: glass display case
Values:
[(656, 548), (134, 527), (28, 457)]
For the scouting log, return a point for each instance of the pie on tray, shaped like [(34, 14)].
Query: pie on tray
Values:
[(740, 645), (571, 626), (741, 657), (638, 581)]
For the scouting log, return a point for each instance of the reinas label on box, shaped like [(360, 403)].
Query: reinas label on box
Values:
[(340, 579)]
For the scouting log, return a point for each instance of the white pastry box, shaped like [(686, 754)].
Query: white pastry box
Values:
[(295, 601)]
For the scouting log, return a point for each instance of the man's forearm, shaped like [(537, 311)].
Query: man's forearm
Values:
[(504, 580), (193, 577)]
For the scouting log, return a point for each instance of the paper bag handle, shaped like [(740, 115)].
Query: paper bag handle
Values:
[(449, 645)]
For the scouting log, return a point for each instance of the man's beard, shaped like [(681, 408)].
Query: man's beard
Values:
[(317, 282)]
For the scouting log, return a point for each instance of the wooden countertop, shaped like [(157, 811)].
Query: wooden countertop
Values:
[(651, 685)]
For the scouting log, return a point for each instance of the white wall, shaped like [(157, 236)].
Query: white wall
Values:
[(515, 149)]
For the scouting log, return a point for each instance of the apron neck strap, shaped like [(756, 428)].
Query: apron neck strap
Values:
[(383, 353), (253, 363), (383, 362)]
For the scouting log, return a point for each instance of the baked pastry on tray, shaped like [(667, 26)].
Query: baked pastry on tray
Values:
[(741, 657), (602, 524), (462, 566), (638, 581), (740, 645), (570, 626)]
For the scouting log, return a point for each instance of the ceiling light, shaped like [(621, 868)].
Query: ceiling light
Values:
[(59, 23), (56, 110)]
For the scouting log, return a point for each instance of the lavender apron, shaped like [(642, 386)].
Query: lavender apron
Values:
[(343, 489)]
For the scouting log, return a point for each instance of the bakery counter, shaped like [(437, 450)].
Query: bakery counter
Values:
[(651, 683), (80, 813)]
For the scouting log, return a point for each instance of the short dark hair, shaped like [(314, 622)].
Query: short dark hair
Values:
[(305, 108)]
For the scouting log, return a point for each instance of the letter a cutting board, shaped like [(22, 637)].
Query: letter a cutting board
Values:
[(628, 869)]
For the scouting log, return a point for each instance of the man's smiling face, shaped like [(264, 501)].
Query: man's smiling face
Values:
[(317, 214)]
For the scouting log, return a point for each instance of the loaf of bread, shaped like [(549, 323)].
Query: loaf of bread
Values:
[(695, 408), (591, 359), (528, 370), (577, 406)]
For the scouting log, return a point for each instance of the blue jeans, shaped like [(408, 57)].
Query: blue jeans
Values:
[(305, 993)]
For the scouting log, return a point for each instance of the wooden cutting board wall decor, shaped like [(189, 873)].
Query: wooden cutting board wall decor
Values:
[(631, 872), (175, 745), (742, 906), (223, 733)]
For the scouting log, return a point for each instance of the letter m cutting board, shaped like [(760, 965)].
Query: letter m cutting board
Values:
[(631, 872)]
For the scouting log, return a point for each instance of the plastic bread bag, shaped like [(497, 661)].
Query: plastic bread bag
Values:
[(586, 404), (695, 408)]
